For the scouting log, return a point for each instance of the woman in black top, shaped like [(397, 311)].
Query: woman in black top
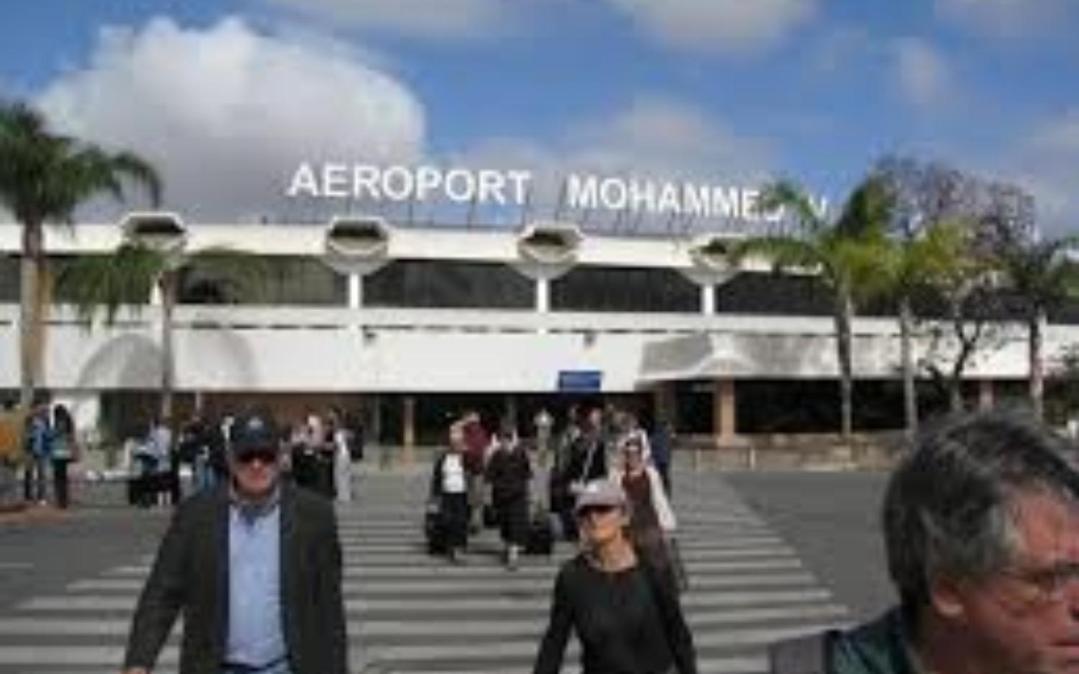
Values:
[(626, 617), (509, 471)]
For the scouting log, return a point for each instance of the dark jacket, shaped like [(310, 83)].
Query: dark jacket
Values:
[(191, 574), (509, 472), (877, 647)]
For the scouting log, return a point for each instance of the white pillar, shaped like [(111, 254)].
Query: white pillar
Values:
[(708, 299), (543, 295), (355, 291)]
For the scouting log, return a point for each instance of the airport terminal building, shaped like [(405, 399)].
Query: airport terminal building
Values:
[(409, 324)]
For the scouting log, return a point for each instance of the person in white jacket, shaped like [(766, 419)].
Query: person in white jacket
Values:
[(652, 522), (342, 463)]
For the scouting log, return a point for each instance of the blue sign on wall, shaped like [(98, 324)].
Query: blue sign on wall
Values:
[(580, 381)]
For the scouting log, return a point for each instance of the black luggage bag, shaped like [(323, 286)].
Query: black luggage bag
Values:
[(540, 536), (434, 529)]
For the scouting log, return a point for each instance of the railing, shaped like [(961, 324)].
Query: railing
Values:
[(293, 317)]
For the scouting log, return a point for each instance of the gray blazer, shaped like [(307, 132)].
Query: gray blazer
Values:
[(191, 574)]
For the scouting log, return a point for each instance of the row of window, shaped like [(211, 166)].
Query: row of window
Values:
[(476, 285)]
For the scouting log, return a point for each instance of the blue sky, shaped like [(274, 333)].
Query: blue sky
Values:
[(227, 96)]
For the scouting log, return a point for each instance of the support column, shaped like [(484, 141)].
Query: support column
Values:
[(543, 295), (986, 395), (408, 433), (723, 416), (355, 291), (708, 299)]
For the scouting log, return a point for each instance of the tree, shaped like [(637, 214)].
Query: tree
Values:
[(130, 274), (846, 253), (1042, 277), (926, 243), (964, 280), (44, 177)]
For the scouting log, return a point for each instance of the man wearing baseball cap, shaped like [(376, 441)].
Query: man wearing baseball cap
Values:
[(255, 567)]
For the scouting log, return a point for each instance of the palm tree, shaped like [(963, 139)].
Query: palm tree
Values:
[(44, 177), (910, 266), (846, 254), (130, 274), (1042, 276)]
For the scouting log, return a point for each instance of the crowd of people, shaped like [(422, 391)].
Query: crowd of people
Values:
[(980, 521)]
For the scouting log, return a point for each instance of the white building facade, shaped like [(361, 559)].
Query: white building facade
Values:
[(409, 323)]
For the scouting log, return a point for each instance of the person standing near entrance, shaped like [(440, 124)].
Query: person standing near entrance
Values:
[(39, 443), (543, 422), (64, 450), (255, 568)]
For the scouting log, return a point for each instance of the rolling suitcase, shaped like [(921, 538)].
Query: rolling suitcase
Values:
[(540, 536), (434, 529)]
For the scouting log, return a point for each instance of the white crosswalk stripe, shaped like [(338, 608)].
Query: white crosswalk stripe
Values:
[(410, 613)]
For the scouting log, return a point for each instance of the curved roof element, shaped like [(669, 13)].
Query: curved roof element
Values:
[(710, 255), (161, 230), (356, 244), (548, 249)]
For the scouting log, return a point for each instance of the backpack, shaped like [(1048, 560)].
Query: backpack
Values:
[(807, 654)]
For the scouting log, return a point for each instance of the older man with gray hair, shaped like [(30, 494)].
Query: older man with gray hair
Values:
[(981, 526)]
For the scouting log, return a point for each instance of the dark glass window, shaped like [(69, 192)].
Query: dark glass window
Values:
[(438, 283), (9, 279), (774, 295), (277, 280), (625, 289)]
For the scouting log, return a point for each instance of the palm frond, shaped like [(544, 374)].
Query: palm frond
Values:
[(789, 196), (868, 211), (782, 252), (125, 277)]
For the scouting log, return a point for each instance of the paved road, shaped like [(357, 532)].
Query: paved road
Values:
[(756, 576)]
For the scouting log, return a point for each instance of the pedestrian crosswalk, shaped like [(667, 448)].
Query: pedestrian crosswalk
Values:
[(410, 613)]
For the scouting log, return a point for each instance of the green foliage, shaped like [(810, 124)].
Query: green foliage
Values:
[(849, 253), (127, 276), (45, 176)]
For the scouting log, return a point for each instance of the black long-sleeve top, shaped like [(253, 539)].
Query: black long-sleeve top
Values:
[(628, 622)]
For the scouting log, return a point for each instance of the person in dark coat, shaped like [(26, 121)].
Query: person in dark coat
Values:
[(449, 489), (509, 471), (626, 617), (254, 567)]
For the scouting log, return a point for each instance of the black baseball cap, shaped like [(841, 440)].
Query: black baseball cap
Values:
[(253, 431)]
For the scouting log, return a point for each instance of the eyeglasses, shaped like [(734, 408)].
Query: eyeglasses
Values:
[(263, 456), (1046, 584)]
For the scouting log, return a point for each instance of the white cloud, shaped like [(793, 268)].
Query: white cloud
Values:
[(722, 26), (1047, 162), (1007, 18), (1059, 135), (227, 114), (445, 19), (654, 137), (923, 74)]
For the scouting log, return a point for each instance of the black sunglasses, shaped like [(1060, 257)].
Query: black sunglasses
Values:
[(587, 511), (263, 456)]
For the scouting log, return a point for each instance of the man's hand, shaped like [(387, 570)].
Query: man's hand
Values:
[(136, 670)]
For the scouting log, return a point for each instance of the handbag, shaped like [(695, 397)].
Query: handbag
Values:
[(490, 516), (678, 568)]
